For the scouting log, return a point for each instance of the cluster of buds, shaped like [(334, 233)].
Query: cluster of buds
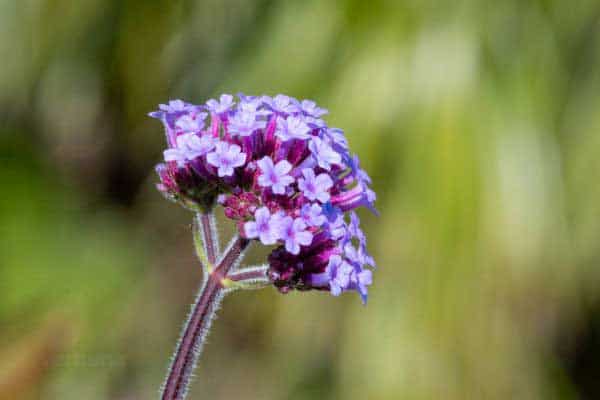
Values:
[(285, 178)]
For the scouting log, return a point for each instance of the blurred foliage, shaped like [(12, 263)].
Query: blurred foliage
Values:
[(478, 121)]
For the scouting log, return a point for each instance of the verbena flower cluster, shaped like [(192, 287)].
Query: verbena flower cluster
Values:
[(285, 178)]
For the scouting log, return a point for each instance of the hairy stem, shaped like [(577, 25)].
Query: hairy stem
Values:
[(248, 279), (249, 274), (209, 236), (196, 328), (190, 344), (200, 246), (232, 256)]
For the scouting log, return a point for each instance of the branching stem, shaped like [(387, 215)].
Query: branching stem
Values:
[(196, 328), (248, 274)]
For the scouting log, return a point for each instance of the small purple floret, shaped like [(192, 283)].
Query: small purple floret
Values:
[(310, 108), (262, 227), (293, 232), (188, 123), (244, 123), (220, 106), (315, 187), (174, 106), (325, 155), (281, 104), (292, 128), (274, 176), (312, 215), (226, 157)]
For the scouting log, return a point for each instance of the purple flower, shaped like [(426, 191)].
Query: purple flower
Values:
[(197, 146), (354, 227), (244, 123), (324, 154), (274, 176), (359, 281), (277, 219), (223, 105), (338, 229), (293, 232), (226, 157), (341, 276), (337, 276), (358, 258), (177, 155), (315, 123), (174, 106), (253, 105), (262, 228), (336, 224), (292, 128), (339, 272), (281, 104), (168, 115), (283, 176), (360, 195), (365, 256), (187, 123), (312, 215), (360, 173), (315, 187), (352, 254), (310, 108), (188, 147), (337, 137)]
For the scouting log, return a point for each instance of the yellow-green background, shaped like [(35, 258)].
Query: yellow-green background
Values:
[(479, 122)]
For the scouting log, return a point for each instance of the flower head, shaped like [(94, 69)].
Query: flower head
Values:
[(284, 177)]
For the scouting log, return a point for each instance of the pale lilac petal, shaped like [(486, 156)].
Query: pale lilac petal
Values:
[(251, 230)]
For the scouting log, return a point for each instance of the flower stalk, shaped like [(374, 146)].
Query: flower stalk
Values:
[(215, 285)]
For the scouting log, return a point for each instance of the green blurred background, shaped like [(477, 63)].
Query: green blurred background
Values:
[(479, 122)]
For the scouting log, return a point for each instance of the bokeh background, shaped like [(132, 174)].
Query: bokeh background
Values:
[(478, 121)]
